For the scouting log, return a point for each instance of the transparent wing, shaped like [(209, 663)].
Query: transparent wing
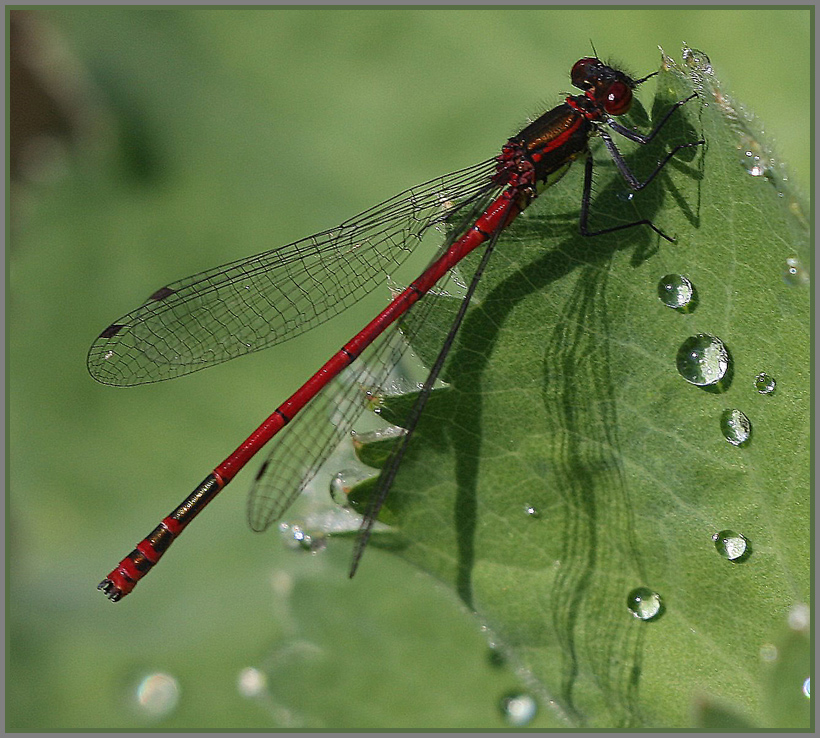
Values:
[(311, 437), (259, 301)]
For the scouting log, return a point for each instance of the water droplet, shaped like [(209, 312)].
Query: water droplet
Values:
[(736, 427), (732, 546), (345, 480), (765, 383), (754, 158), (532, 511), (251, 682), (296, 537), (518, 709), (157, 695), (800, 617), (768, 652), (644, 603), (796, 274), (625, 195), (676, 291), (807, 687), (695, 59), (703, 360), (374, 436)]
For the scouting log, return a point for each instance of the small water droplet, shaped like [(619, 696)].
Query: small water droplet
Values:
[(765, 383), (732, 546), (807, 687), (296, 537), (795, 274), (695, 59), (644, 604), (532, 511), (518, 709), (702, 360), (753, 157), (676, 291), (251, 682), (625, 195), (736, 427), (157, 695), (768, 652)]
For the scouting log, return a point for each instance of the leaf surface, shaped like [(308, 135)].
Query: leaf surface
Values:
[(569, 463)]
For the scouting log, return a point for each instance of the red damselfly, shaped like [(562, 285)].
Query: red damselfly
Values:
[(260, 301)]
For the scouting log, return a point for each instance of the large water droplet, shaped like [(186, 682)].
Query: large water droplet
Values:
[(345, 480), (732, 546), (157, 695), (518, 709), (736, 427), (644, 604), (703, 360), (676, 291), (765, 383)]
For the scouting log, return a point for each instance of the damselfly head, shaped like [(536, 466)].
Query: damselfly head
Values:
[(604, 85)]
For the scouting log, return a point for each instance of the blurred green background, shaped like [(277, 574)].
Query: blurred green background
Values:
[(148, 144)]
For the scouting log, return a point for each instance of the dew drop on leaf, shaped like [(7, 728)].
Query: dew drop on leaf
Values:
[(675, 291), (736, 427), (702, 360), (644, 604), (765, 383), (732, 546), (518, 709)]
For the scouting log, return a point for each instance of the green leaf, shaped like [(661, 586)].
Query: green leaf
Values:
[(570, 463)]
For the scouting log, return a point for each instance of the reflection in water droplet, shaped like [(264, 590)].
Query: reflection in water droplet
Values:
[(736, 427), (157, 695), (732, 546), (644, 603), (518, 709), (807, 687), (675, 291), (251, 682), (625, 195), (796, 274), (702, 360), (765, 384)]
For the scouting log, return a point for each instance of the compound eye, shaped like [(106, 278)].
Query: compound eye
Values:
[(618, 98), (582, 72)]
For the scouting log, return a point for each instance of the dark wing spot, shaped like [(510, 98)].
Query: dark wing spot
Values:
[(262, 470), (162, 293), (112, 330)]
